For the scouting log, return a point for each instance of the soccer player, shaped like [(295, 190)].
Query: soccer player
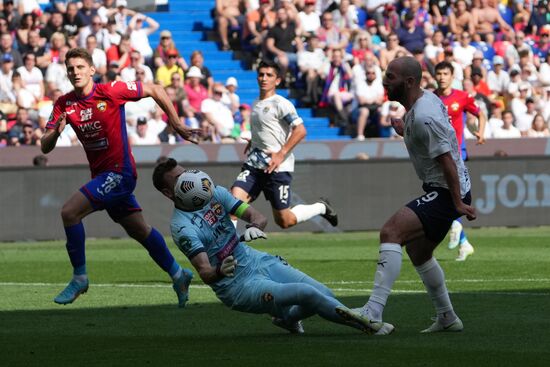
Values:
[(422, 223), (461, 108), (243, 278), (96, 113), (276, 129)]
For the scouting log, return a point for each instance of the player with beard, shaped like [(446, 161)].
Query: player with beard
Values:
[(422, 224)]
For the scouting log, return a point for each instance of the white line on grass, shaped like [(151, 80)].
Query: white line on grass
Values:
[(503, 280), (353, 290)]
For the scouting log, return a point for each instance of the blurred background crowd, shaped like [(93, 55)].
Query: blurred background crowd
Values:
[(332, 54)]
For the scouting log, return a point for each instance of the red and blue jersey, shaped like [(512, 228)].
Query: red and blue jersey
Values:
[(457, 103), (100, 124)]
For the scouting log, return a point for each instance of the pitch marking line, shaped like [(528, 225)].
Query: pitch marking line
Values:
[(353, 290)]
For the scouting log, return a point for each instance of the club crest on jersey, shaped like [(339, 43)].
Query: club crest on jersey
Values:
[(68, 103), (216, 208), (455, 106), (266, 109), (101, 106)]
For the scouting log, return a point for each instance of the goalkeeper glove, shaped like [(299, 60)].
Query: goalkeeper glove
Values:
[(253, 233), (227, 267)]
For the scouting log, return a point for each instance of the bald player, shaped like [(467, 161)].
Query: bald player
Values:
[(422, 224)]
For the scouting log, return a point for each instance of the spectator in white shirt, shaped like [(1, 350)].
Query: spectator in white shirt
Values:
[(508, 130), (218, 119), (230, 96), (98, 55), (96, 28), (32, 76), (128, 74), (143, 136), (369, 96), (56, 74), (139, 36), (309, 19), (498, 79)]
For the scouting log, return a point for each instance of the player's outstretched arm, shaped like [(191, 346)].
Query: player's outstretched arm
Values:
[(451, 177), (158, 93), (210, 274), (49, 139)]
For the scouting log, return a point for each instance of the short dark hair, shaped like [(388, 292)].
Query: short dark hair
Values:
[(445, 65), (80, 53), (160, 170), (40, 160), (270, 64)]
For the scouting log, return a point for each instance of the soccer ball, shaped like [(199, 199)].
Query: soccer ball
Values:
[(193, 190)]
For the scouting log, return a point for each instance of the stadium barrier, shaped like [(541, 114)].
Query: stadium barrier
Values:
[(512, 191)]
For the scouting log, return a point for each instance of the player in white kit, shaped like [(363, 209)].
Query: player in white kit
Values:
[(423, 223), (276, 129)]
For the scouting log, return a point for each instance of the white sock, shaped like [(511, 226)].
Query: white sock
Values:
[(305, 212), (82, 278), (387, 271), (434, 280), (234, 221)]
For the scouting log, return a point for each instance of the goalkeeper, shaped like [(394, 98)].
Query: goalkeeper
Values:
[(243, 278)]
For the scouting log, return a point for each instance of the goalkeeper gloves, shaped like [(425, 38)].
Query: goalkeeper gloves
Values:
[(253, 233), (227, 267)]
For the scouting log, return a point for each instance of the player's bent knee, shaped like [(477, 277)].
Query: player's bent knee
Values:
[(390, 234), (69, 215)]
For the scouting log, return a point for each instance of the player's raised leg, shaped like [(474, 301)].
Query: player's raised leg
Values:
[(76, 208), (154, 243)]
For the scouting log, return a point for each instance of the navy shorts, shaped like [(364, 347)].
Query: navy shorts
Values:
[(113, 192), (436, 211), (275, 186)]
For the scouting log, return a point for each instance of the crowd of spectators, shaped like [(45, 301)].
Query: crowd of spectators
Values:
[(33, 44), (336, 51), (333, 51)]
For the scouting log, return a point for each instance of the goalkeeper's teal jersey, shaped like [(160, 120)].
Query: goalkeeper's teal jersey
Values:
[(210, 230)]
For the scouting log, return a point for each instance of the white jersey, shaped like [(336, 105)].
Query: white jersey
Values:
[(271, 124), (428, 133)]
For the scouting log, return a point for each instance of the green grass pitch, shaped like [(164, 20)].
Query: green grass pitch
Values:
[(129, 315)]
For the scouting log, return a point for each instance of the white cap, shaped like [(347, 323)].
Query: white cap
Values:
[(498, 60), (232, 81), (194, 72), (123, 3)]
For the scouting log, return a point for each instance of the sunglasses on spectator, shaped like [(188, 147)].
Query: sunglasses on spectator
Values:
[(220, 92), (96, 23), (172, 56), (140, 72), (165, 38), (176, 79)]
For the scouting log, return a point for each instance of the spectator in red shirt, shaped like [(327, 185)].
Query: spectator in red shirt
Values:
[(120, 53)]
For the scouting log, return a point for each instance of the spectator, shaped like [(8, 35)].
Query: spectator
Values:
[(106, 9), (120, 15), (330, 36), (309, 19), (56, 74), (164, 73), (508, 130), (95, 28), (72, 23), (518, 104), (128, 74), (27, 136), (480, 86), (11, 15), (120, 53), (539, 127), (6, 47), (241, 130), (7, 96), (362, 47), (389, 20), (144, 107), (485, 18), (498, 79), (114, 36), (228, 17), (345, 17), (17, 131), (282, 42), (336, 92), (32, 76), (372, 30), (482, 101), (139, 35), (434, 50), (25, 98), (477, 63), (369, 96), (230, 97), (422, 17), (310, 61), (392, 51), (258, 22), (461, 20), (26, 24), (513, 50), (55, 24), (537, 19), (57, 41), (440, 11), (99, 56), (143, 136), (525, 119), (196, 92), (390, 110), (410, 36), (197, 60), (161, 52), (87, 12), (217, 117), (463, 52), (542, 47)]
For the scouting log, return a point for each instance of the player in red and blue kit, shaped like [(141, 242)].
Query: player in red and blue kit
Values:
[(96, 113), (459, 104)]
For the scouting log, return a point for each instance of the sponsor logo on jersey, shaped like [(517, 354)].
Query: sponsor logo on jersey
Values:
[(101, 106), (210, 217), (86, 114), (99, 144), (89, 127), (228, 248)]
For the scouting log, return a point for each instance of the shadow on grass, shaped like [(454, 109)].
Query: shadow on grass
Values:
[(497, 326)]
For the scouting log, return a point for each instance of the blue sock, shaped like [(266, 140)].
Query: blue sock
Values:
[(462, 237), (76, 238), (156, 246)]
